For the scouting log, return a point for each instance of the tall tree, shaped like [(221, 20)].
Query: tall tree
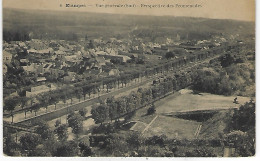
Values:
[(112, 108), (62, 132), (83, 112), (99, 113), (10, 104), (66, 149), (10, 147), (29, 141), (44, 130), (75, 121)]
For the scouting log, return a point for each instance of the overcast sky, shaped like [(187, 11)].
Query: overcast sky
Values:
[(220, 9)]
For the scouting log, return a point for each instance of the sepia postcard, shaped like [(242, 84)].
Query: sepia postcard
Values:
[(128, 78)]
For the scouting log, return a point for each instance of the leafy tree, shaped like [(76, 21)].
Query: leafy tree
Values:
[(241, 130), (54, 99), (130, 105), (208, 80), (83, 112), (169, 55), (137, 98), (79, 93), (85, 149), (157, 140), (62, 132), (57, 123), (244, 118), (243, 143), (23, 101), (140, 60), (99, 113), (112, 108), (135, 140), (109, 86), (10, 147), (86, 90), (29, 141), (10, 104), (64, 98), (70, 93), (116, 145), (35, 108), (41, 151), (151, 110), (67, 149), (227, 60), (44, 131), (121, 106), (224, 87), (44, 100), (50, 146), (75, 121)]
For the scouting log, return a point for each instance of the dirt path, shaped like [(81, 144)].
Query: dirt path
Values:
[(146, 128)]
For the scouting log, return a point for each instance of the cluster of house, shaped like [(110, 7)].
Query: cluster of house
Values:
[(64, 59)]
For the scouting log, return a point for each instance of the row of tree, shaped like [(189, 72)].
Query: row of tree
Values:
[(113, 109), (89, 87), (47, 142)]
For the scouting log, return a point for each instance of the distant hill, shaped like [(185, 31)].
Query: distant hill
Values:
[(55, 23)]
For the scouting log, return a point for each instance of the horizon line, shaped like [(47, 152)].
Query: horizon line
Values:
[(129, 14)]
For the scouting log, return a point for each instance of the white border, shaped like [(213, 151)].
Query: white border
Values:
[(3, 158)]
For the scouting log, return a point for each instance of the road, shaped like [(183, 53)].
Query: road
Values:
[(61, 110), (19, 117)]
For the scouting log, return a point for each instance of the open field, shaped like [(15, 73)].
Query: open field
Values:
[(203, 101), (172, 128), (184, 100), (169, 126)]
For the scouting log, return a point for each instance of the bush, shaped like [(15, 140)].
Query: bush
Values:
[(85, 149), (83, 112), (57, 123), (67, 149), (200, 152), (151, 110), (104, 128), (156, 140)]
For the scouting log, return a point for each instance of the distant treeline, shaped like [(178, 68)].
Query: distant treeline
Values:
[(15, 36), (156, 34), (52, 25), (25, 35)]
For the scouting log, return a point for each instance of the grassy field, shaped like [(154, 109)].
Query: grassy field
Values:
[(185, 100), (189, 101), (172, 128)]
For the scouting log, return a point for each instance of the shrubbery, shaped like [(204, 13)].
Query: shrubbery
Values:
[(224, 76)]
